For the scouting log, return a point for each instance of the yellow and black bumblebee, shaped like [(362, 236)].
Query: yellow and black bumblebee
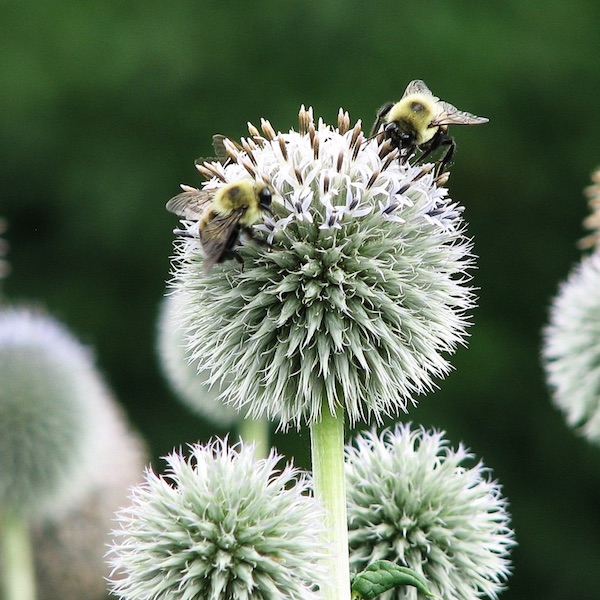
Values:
[(222, 215), (419, 121)]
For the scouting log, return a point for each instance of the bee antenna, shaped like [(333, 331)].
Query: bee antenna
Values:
[(374, 136)]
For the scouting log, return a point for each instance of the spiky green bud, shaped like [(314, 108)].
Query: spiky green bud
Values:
[(418, 503), (220, 525)]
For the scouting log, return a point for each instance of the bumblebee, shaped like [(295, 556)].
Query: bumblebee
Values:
[(222, 215), (419, 121)]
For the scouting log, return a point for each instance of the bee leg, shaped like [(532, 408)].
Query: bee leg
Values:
[(381, 114), (250, 233), (238, 259), (438, 141), (407, 152), (231, 254), (447, 157)]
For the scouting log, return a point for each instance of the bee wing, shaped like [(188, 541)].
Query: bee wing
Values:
[(219, 146), (450, 115), (191, 204), (220, 150), (218, 235), (417, 87)]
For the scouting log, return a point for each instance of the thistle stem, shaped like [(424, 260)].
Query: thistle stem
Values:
[(17, 569), (327, 446), (256, 431)]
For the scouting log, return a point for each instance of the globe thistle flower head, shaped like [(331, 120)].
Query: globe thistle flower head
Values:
[(220, 524), (416, 502), (182, 373), (359, 292), (51, 405), (571, 348)]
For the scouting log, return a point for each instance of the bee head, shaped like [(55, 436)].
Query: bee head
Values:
[(399, 138)]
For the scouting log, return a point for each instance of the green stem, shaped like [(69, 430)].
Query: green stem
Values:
[(256, 431), (17, 560), (327, 445)]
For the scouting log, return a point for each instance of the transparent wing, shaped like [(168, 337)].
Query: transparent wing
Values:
[(191, 204), (219, 146), (417, 87), (220, 151), (450, 115)]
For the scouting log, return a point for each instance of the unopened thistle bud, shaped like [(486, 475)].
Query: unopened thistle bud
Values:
[(220, 524), (416, 502)]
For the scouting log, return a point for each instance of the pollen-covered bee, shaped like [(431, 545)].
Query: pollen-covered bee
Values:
[(222, 215), (419, 121)]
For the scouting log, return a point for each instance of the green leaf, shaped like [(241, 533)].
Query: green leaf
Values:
[(382, 576)]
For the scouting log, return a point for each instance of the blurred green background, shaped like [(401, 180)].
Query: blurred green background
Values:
[(105, 105)]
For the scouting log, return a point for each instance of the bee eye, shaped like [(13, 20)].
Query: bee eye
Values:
[(264, 196)]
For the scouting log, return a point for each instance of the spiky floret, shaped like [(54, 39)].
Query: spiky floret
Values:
[(416, 502), (359, 293), (220, 525)]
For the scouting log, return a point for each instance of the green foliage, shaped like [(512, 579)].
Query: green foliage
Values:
[(105, 106), (383, 576)]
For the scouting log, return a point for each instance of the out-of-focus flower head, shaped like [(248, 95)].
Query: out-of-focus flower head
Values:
[(52, 402)]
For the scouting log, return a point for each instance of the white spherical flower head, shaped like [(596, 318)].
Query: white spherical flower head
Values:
[(52, 405), (416, 502), (571, 350), (220, 525), (182, 372), (357, 291)]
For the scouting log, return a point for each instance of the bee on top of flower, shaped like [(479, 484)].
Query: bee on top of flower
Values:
[(352, 286)]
